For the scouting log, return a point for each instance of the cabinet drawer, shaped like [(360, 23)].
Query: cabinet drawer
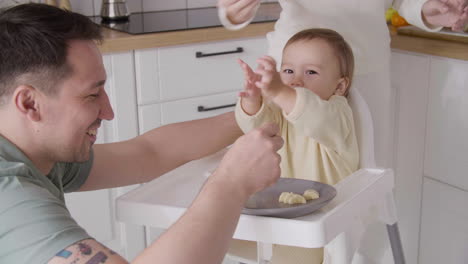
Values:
[(182, 74), (147, 79), (149, 117), (189, 109)]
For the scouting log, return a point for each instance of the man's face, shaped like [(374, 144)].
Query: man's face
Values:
[(70, 118)]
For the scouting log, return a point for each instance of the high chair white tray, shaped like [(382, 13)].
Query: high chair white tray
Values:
[(361, 198)]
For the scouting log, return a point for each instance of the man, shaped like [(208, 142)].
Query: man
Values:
[(52, 102)]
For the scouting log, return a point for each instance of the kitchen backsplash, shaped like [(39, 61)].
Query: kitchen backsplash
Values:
[(93, 7)]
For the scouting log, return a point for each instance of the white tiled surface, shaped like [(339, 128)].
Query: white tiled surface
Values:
[(446, 157), (84, 7), (93, 7), (157, 5), (6, 3)]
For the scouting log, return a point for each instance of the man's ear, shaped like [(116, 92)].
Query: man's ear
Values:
[(26, 99), (342, 87)]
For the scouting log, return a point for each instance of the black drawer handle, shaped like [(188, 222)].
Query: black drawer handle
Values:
[(200, 54), (203, 109)]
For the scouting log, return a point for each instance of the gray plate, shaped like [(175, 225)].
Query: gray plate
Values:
[(266, 202)]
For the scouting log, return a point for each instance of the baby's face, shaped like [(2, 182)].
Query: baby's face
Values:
[(313, 65)]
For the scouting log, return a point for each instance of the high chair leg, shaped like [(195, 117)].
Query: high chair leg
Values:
[(264, 253), (395, 242)]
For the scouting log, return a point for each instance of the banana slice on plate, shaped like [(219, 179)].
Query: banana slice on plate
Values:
[(311, 194), (291, 198)]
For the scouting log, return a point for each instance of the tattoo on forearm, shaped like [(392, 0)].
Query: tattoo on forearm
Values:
[(85, 249), (75, 261), (100, 257), (64, 254)]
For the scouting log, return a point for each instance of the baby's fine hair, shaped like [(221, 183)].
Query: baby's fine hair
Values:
[(342, 49)]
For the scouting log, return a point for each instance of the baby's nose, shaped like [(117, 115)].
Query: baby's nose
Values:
[(296, 82)]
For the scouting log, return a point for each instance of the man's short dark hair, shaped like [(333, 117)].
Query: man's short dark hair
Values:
[(33, 45)]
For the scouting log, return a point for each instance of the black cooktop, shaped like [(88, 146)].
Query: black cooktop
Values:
[(183, 19)]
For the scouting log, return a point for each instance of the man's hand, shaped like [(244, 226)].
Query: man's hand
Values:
[(446, 13), (270, 83), (252, 163), (239, 11)]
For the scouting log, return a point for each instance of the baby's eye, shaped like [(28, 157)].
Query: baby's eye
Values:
[(310, 72), (288, 71)]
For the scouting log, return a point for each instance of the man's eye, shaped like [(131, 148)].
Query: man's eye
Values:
[(94, 95), (289, 71), (310, 72)]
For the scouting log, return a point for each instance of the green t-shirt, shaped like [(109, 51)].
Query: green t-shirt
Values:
[(35, 224)]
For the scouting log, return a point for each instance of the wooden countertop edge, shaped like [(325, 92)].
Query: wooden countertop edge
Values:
[(435, 47), (115, 41)]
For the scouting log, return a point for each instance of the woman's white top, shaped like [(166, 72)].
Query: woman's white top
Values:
[(361, 22)]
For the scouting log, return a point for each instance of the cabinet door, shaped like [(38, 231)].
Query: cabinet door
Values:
[(94, 211), (149, 117), (410, 75), (446, 156), (444, 229)]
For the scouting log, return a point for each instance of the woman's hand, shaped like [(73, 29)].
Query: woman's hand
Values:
[(239, 11), (446, 13)]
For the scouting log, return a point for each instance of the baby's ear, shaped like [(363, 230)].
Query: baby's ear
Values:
[(342, 86)]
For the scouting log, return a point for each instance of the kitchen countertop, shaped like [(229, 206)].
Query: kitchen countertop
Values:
[(115, 41)]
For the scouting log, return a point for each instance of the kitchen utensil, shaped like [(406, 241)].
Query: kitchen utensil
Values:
[(112, 10)]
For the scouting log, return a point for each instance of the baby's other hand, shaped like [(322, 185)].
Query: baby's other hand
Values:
[(250, 90), (270, 83)]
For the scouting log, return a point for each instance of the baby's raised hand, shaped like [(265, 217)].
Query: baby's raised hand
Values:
[(250, 92), (270, 82)]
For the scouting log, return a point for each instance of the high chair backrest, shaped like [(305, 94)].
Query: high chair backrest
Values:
[(364, 129)]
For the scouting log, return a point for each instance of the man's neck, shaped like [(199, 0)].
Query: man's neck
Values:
[(27, 147)]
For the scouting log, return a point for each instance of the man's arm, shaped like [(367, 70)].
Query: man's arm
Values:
[(87, 252), (203, 233), (158, 151)]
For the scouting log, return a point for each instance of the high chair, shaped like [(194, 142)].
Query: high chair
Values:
[(363, 197)]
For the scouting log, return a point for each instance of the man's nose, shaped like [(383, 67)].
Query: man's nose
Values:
[(106, 112)]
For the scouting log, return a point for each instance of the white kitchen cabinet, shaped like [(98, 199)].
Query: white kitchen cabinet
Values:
[(94, 211), (431, 157), (410, 79), (198, 107), (182, 74), (149, 117), (446, 156), (444, 229)]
